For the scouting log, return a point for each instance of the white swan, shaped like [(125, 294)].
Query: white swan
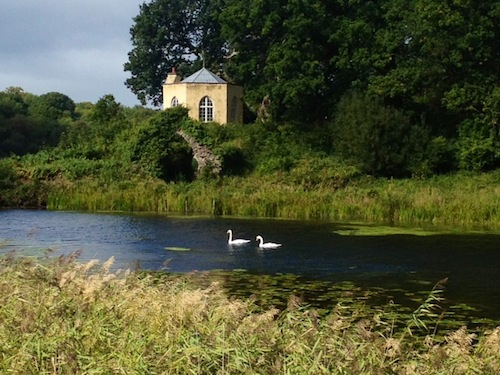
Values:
[(267, 245), (236, 241)]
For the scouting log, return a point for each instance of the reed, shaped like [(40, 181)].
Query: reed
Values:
[(61, 316), (462, 200)]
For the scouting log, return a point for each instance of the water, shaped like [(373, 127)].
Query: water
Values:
[(311, 249)]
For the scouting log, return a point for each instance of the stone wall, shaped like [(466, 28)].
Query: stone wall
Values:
[(203, 155)]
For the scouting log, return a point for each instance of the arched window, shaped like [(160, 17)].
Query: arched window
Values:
[(234, 109), (206, 109), (174, 102)]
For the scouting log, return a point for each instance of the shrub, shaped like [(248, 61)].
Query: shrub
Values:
[(379, 139), (478, 154)]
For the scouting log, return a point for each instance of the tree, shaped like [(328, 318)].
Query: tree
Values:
[(29, 122), (277, 49), (168, 34), (435, 60), (106, 109), (53, 106), (438, 59), (281, 53), (13, 102)]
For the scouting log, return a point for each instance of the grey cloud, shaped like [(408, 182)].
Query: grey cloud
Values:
[(76, 48)]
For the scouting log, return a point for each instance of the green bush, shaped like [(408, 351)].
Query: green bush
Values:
[(234, 161), (8, 175), (329, 172), (377, 138), (439, 158), (478, 154)]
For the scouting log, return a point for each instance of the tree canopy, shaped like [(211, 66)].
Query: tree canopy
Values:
[(436, 60), (29, 122), (168, 34)]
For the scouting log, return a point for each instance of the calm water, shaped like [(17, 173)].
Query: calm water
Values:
[(311, 249)]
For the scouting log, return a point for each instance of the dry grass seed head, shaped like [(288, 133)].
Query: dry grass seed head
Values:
[(490, 344), (337, 322), (66, 278), (190, 306), (95, 284), (364, 329), (258, 323), (294, 303), (89, 265), (459, 342), (108, 264), (392, 347)]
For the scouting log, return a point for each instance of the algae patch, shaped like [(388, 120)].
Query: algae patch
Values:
[(366, 230), (174, 248)]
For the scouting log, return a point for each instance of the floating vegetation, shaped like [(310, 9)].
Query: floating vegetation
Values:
[(274, 291), (175, 248), (381, 230)]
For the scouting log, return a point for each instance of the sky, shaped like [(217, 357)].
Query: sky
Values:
[(76, 48)]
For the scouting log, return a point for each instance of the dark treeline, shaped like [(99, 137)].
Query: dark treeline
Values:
[(29, 122)]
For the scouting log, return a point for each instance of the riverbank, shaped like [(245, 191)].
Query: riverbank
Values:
[(66, 317), (469, 201)]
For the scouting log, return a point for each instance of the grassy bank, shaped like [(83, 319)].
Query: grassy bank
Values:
[(65, 317), (463, 200)]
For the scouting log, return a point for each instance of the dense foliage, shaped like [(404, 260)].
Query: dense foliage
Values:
[(398, 89), (29, 122), (437, 60)]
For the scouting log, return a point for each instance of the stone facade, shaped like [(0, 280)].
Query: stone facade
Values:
[(207, 97)]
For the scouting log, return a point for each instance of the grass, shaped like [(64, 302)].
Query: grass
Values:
[(464, 200), (63, 317)]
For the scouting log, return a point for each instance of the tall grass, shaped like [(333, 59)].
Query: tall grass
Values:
[(63, 317), (459, 200)]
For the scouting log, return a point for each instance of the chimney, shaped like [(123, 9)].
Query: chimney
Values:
[(172, 77)]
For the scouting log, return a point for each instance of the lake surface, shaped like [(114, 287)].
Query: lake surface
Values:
[(315, 250)]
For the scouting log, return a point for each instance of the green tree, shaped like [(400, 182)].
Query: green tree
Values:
[(168, 34), (438, 59), (96, 134), (281, 52), (52, 106), (158, 150), (13, 102), (106, 110), (29, 122)]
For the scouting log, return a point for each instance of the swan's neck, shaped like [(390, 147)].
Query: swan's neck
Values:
[(230, 236)]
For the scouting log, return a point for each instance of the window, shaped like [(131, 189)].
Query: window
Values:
[(174, 102), (234, 109), (206, 109)]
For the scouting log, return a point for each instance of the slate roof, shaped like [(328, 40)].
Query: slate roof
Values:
[(203, 76)]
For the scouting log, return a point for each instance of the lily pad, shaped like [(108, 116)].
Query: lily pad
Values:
[(174, 248)]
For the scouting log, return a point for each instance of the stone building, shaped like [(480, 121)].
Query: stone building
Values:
[(207, 96)]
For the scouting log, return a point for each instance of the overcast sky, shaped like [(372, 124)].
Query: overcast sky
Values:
[(77, 48)]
